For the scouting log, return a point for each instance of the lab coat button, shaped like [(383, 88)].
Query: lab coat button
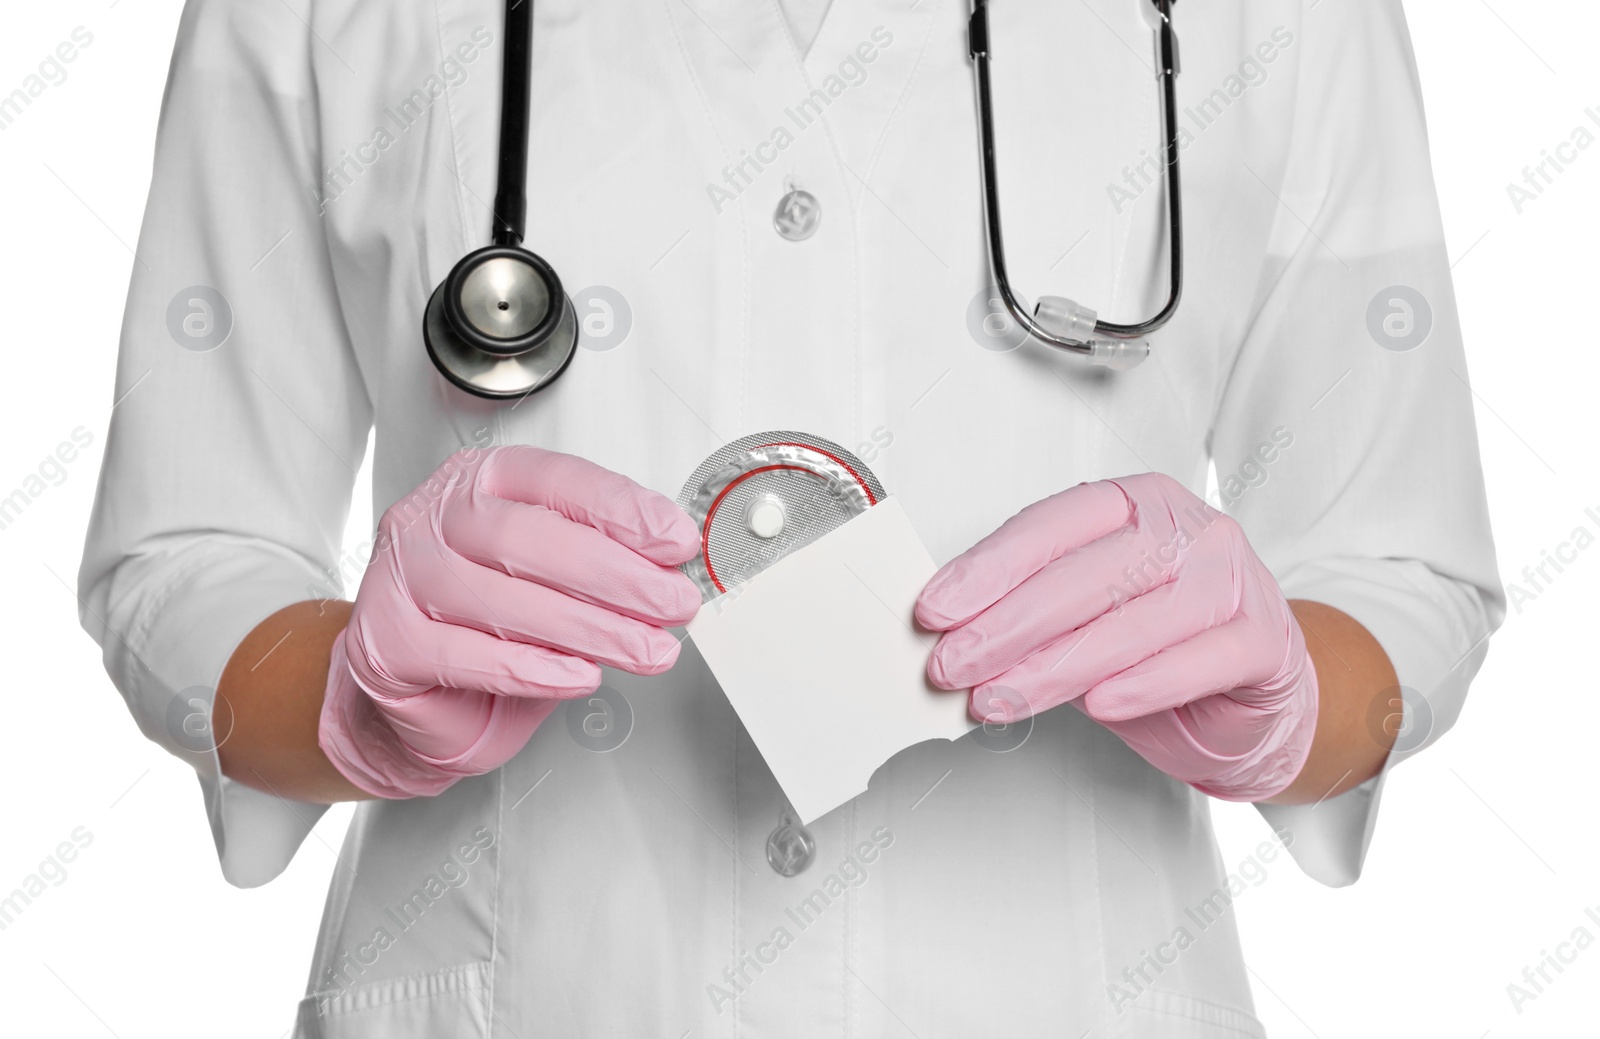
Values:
[(790, 847), (797, 215)]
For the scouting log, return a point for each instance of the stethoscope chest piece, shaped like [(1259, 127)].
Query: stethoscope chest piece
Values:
[(500, 325)]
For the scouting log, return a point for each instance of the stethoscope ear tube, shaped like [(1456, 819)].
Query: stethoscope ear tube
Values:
[(1057, 321)]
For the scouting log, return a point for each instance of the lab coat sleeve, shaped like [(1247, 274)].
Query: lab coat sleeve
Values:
[(228, 471), (1345, 448)]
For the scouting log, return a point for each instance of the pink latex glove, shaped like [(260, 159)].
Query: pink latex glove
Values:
[(1148, 609), (496, 590)]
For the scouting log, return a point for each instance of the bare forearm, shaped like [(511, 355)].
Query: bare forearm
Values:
[(1353, 672), (273, 687)]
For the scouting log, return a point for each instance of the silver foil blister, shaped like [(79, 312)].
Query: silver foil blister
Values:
[(766, 495)]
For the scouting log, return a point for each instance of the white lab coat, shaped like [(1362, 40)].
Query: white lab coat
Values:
[(969, 892)]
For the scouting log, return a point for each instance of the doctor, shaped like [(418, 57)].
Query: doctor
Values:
[(564, 829)]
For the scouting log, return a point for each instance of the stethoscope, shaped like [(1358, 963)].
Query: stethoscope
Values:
[(501, 326)]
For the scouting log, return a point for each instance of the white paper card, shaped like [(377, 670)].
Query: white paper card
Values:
[(821, 658)]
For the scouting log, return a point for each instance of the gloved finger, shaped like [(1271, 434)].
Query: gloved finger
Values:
[(1020, 548), (1232, 656), (465, 731), (439, 724), (1073, 590), (538, 544), (1166, 742), (645, 521), (461, 592), (1108, 645), (1202, 742), (514, 723), (425, 654)]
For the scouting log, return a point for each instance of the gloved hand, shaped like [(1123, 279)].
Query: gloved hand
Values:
[(496, 590), (1148, 609)]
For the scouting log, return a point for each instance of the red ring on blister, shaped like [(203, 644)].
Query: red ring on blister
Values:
[(716, 503), (711, 514), (872, 499), (703, 494)]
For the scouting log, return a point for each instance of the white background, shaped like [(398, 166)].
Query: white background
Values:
[(1486, 852)]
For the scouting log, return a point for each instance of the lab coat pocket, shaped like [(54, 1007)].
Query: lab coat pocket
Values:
[(450, 1001)]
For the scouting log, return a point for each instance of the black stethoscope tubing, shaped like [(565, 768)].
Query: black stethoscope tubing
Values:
[(516, 90), (978, 50)]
